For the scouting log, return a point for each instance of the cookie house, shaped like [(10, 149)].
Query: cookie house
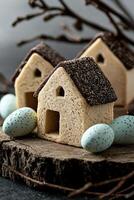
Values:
[(38, 63), (116, 60), (74, 97)]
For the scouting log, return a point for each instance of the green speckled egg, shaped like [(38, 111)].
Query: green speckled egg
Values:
[(21, 122), (123, 127), (97, 138), (7, 105)]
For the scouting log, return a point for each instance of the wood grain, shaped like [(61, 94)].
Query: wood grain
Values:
[(59, 164)]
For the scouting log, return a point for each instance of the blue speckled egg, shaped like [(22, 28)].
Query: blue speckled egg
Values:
[(97, 138), (7, 105), (123, 127), (21, 122)]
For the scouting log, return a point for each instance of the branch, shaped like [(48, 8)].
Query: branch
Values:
[(60, 38), (124, 9), (27, 17), (121, 35), (50, 12), (80, 191), (51, 16), (127, 189), (44, 184), (130, 195), (115, 25), (64, 11), (37, 4), (119, 185), (106, 8), (70, 13), (121, 180)]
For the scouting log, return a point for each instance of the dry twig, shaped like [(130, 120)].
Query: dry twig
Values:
[(43, 183), (60, 38), (120, 180), (85, 189), (49, 12), (124, 9)]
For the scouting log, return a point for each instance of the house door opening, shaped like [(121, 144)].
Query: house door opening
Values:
[(52, 122), (31, 101)]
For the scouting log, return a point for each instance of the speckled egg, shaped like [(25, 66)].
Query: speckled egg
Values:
[(7, 105), (123, 127), (21, 122), (97, 138)]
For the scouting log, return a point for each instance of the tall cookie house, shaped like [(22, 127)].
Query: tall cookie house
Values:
[(39, 62), (74, 97), (116, 60)]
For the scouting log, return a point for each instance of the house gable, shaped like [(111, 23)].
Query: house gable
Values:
[(60, 80), (45, 52), (102, 54), (63, 117), (29, 79), (89, 79), (117, 46), (110, 65), (28, 74), (70, 107)]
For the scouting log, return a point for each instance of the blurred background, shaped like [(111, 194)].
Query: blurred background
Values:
[(11, 55)]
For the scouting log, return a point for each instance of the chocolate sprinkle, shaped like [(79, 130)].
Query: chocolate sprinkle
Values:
[(89, 79), (117, 46), (43, 50)]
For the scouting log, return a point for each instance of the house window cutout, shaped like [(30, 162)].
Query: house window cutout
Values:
[(60, 91), (100, 59), (31, 101), (37, 73), (52, 122)]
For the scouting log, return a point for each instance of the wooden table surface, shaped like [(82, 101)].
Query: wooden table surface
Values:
[(35, 161)]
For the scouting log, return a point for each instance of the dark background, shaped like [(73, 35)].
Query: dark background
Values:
[(15, 191), (11, 56)]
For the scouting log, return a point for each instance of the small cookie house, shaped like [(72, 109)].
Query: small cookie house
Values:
[(74, 97), (39, 62), (116, 60)]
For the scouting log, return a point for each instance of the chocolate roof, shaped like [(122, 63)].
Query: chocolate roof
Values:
[(89, 79), (43, 50), (117, 46)]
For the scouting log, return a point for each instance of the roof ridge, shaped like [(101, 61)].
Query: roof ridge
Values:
[(45, 52), (118, 46), (89, 79)]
